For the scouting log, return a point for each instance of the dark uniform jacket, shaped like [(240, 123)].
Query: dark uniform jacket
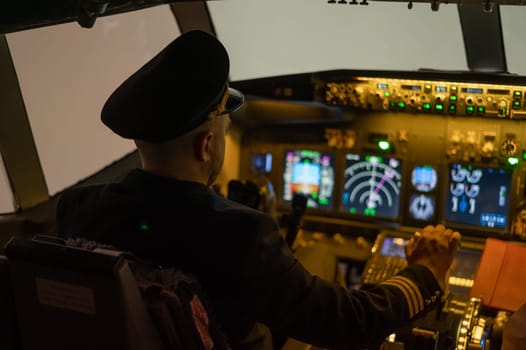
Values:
[(248, 272)]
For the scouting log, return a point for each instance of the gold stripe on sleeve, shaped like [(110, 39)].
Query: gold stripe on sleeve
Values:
[(415, 289), (404, 290), (411, 293)]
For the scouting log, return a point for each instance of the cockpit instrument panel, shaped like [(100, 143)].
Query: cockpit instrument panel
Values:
[(399, 149)]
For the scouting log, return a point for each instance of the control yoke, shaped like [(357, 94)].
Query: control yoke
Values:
[(293, 220)]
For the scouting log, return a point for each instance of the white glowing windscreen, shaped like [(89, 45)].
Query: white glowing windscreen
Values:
[(67, 72), (276, 37), (7, 204), (514, 35)]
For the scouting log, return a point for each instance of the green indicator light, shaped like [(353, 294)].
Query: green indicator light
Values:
[(352, 210), (517, 103), (502, 111), (401, 104), (453, 98), (452, 108), (387, 94), (470, 109), (480, 110), (513, 161), (392, 104), (370, 211), (323, 201), (144, 227), (426, 106), (375, 159), (523, 155), (314, 195), (439, 107), (517, 93), (384, 145), (454, 88)]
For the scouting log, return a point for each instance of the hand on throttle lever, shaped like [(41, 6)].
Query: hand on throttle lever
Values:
[(434, 247)]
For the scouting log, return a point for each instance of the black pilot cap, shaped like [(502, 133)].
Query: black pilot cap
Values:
[(181, 87)]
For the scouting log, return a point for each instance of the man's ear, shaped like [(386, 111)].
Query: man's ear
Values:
[(203, 146)]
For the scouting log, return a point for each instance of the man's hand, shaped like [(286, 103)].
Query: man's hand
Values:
[(435, 248)]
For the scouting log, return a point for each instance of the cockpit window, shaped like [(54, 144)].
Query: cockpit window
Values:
[(514, 34), (276, 37)]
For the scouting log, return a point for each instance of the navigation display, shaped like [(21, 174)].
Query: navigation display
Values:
[(372, 185), (311, 173), (478, 196)]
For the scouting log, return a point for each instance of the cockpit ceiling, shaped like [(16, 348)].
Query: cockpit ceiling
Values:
[(27, 14)]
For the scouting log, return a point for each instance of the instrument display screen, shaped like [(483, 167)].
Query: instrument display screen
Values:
[(372, 185), (393, 246), (478, 196), (311, 173), (463, 270)]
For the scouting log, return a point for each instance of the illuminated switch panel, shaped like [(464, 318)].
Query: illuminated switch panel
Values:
[(425, 96)]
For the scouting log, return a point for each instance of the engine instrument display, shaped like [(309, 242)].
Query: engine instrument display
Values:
[(372, 185), (478, 196)]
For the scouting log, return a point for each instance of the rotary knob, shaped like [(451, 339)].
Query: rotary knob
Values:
[(509, 147)]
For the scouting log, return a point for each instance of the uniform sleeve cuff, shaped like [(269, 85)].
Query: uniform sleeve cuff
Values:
[(419, 287)]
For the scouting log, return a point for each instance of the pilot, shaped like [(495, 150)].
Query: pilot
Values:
[(177, 109)]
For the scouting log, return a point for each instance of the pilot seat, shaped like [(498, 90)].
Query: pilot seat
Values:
[(76, 294)]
